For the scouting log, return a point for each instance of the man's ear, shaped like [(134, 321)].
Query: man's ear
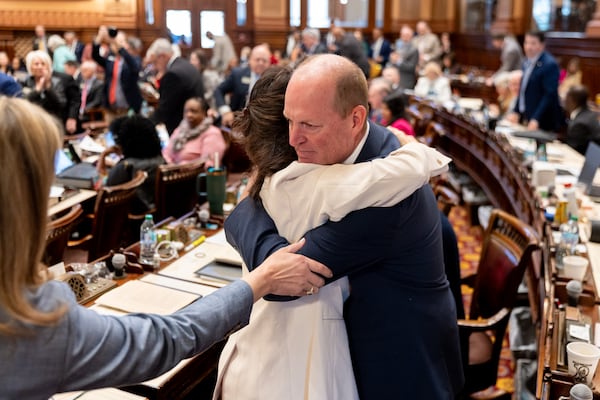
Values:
[(359, 116)]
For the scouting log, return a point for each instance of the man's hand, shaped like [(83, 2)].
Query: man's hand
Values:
[(533, 125), (71, 125)]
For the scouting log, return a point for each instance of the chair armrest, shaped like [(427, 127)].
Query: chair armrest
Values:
[(485, 324), (79, 242)]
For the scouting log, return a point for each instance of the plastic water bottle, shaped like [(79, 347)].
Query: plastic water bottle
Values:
[(530, 151), (569, 237), (145, 110), (147, 241)]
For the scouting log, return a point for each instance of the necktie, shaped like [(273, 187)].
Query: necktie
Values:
[(83, 97), (112, 93)]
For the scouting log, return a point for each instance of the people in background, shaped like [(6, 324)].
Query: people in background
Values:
[(380, 48), (505, 96), (394, 113), (428, 44), (300, 343), (60, 53), (378, 89), (358, 34), (5, 65), (538, 105), (572, 77), (347, 46), (55, 92), (179, 81), (583, 126), (121, 71), (196, 137), (392, 75), (9, 87), (511, 55), (406, 58), (73, 70), (210, 77), (325, 94), (311, 43), (137, 142), (294, 39), (48, 342), (40, 41), (74, 45), (239, 82), (92, 90), (223, 53), (433, 84)]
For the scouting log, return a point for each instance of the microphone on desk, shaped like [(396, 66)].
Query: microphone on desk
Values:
[(118, 262), (580, 391)]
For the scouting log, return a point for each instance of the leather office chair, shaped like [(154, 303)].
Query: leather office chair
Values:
[(109, 220), (175, 192), (57, 234), (507, 248)]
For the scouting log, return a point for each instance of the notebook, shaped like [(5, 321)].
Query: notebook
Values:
[(80, 175), (590, 168)]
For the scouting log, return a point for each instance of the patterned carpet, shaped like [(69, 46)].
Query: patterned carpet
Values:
[(469, 246)]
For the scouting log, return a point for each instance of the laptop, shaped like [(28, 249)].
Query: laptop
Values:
[(590, 168), (80, 175)]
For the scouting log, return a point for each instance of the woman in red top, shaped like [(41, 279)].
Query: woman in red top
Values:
[(393, 110)]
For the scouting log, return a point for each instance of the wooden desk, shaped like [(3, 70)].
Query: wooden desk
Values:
[(177, 383), (82, 196), (495, 164)]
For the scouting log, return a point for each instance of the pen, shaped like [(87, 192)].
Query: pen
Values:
[(195, 243)]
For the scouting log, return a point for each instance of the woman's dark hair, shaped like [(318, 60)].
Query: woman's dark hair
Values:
[(203, 103), (264, 128), (202, 58), (136, 136), (396, 102)]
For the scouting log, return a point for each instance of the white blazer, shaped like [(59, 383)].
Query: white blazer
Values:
[(299, 350)]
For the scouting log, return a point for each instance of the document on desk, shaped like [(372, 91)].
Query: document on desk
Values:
[(137, 296), (215, 248)]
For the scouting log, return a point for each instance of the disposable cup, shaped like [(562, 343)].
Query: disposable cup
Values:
[(583, 359), (575, 267)]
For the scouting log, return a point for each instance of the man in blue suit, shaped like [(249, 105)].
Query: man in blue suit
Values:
[(239, 83), (380, 49), (537, 105), (121, 70), (400, 316)]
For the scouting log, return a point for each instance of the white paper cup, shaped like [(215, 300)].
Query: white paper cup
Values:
[(575, 267), (583, 360)]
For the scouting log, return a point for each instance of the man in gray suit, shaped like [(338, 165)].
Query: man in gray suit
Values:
[(511, 56), (406, 58)]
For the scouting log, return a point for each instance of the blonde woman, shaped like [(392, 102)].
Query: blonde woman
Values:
[(49, 343), (433, 84), (55, 92)]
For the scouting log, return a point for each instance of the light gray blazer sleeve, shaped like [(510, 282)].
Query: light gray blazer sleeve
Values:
[(86, 350)]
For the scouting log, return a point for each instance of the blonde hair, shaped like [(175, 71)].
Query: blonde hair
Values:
[(37, 55), (29, 139)]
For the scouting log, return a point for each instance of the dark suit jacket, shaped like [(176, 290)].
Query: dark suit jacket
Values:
[(348, 46), (408, 66), (386, 49), (95, 95), (63, 99), (541, 94), (129, 76), (181, 82), (582, 130), (401, 316), (236, 84)]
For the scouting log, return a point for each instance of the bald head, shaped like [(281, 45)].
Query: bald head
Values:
[(260, 59), (345, 78)]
